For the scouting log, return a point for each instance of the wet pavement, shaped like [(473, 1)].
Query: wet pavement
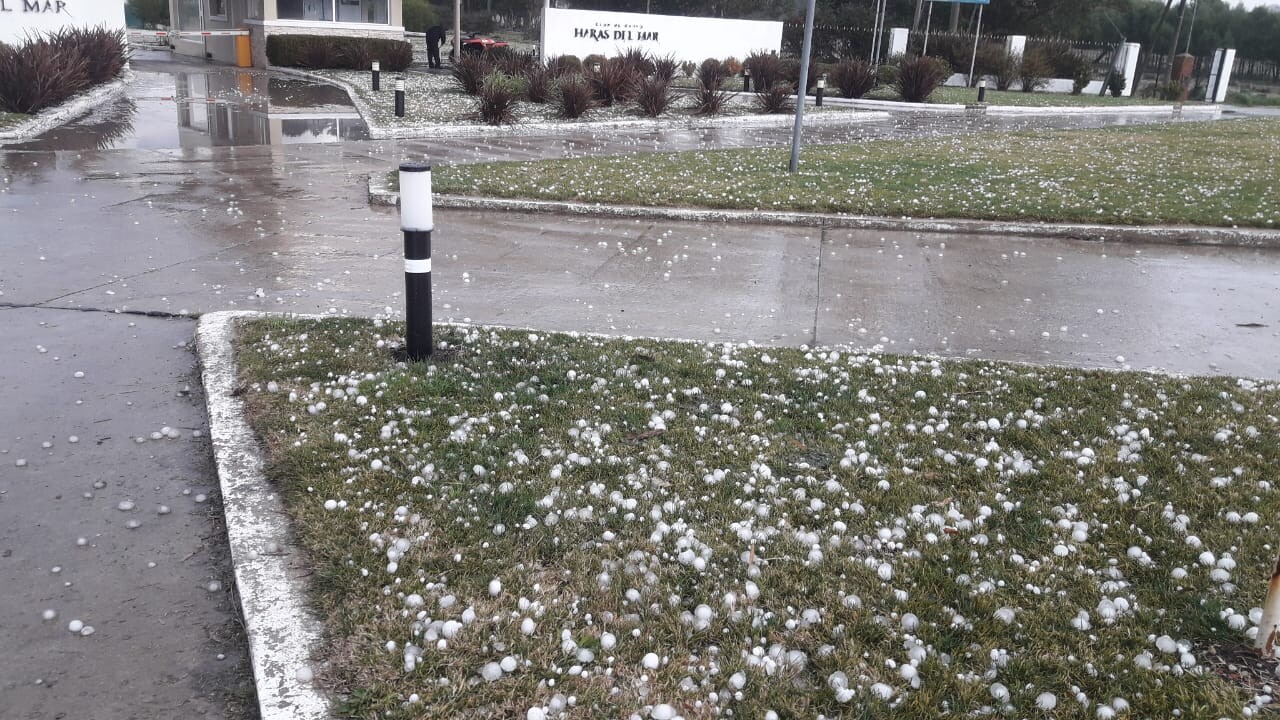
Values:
[(106, 254)]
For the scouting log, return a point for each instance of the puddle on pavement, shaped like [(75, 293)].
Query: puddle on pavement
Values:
[(185, 105)]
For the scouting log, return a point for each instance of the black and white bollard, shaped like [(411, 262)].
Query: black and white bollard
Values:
[(416, 222), (746, 80), (982, 91), (377, 75), (822, 89), (399, 97)]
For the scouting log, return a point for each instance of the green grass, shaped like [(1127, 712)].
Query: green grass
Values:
[(773, 524), (963, 96), (1252, 99), (8, 119), (1212, 173)]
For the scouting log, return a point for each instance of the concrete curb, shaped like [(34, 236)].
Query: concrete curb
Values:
[(281, 629), (50, 118), (381, 194)]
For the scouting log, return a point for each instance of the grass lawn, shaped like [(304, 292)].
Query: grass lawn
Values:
[(538, 524), (963, 96), (7, 119), (1209, 173)]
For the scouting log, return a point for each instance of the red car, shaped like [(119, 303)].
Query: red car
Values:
[(477, 44)]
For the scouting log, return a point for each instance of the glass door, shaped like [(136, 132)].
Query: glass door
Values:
[(189, 18)]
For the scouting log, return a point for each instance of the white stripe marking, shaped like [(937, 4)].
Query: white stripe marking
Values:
[(417, 266)]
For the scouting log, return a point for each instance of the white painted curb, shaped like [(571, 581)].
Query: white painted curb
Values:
[(50, 118), (282, 632)]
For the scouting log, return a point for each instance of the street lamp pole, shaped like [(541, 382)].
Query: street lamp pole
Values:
[(802, 89)]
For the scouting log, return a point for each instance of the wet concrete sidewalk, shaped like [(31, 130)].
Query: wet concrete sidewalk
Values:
[(106, 255)]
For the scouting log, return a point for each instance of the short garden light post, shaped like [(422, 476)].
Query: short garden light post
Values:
[(399, 97), (377, 75), (982, 91), (417, 222), (822, 88), (746, 80)]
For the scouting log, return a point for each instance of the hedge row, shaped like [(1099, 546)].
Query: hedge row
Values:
[(318, 52), (46, 70)]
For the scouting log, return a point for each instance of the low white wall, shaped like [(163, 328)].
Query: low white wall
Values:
[(20, 18), (588, 32)]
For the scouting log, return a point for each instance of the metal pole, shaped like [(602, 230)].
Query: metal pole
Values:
[(377, 76), (927, 19), (546, 5), (1194, 9), (457, 30), (973, 61), (417, 222), (801, 91)]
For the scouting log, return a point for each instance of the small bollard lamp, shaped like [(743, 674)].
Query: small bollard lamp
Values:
[(822, 88), (377, 75), (400, 97), (982, 91), (746, 79), (416, 222)]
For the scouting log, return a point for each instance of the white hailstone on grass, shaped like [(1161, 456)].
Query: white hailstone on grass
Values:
[(535, 713), (1166, 645), (1178, 573), (1046, 701), (650, 661), (304, 674), (999, 692), (413, 601), (330, 504), (1005, 615), (491, 672), (885, 571), (910, 622), (528, 626), (662, 711), (508, 664), (1104, 712), (1187, 660), (1206, 558), (882, 691), (495, 587), (608, 641), (1061, 550), (738, 680)]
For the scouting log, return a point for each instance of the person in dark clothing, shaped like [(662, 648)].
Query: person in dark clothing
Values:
[(435, 38)]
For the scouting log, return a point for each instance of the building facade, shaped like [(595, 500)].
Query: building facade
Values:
[(263, 18)]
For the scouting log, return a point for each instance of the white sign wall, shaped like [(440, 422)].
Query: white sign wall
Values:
[(588, 32), (20, 18)]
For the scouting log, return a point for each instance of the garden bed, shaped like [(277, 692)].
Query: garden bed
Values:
[(1148, 175), (543, 523), (433, 102)]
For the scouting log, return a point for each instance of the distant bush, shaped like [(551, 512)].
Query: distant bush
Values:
[(1116, 83), (1006, 71), (776, 98), (854, 78), (1034, 71), (572, 97), (711, 73), (688, 67), (561, 65), (319, 52), (918, 78), (469, 72), (732, 66), (419, 16), (1081, 76), (511, 62), (50, 69), (1058, 56), (498, 97), (887, 74), (654, 97), (591, 61)]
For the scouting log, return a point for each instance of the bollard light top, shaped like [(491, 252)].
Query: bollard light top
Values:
[(376, 66), (413, 166)]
